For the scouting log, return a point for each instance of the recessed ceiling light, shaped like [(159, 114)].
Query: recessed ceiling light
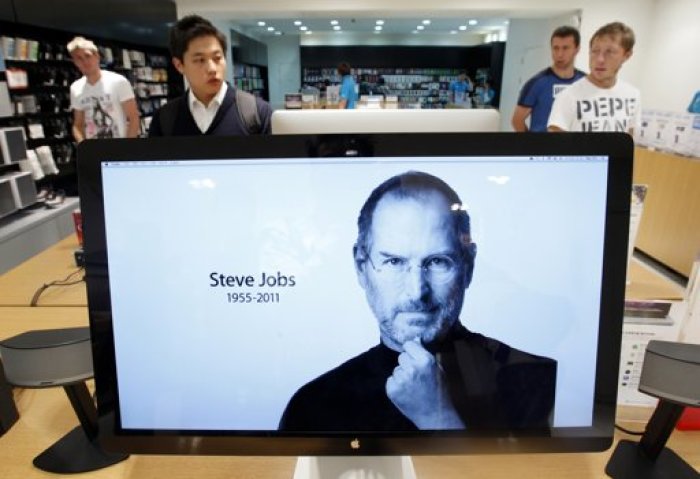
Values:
[(414, 31), (270, 29), (308, 32), (473, 22), (380, 22), (297, 23), (334, 22), (507, 22), (453, 32), (378, 28), (462, 27), (261, 24), (426, 22), (278, 33), (420, 27), (336, 27), (303, 28)]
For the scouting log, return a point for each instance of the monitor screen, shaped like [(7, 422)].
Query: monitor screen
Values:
[(356, 294)]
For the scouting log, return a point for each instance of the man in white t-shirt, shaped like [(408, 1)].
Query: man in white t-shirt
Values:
[(102, 101), (600, 101)]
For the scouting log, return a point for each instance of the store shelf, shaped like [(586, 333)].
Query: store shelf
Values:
[(428, 87), (27, 232)]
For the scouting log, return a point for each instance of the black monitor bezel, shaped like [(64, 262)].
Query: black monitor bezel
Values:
[(617, 146)]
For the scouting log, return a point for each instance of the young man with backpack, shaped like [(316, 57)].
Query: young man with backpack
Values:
[(210, 106)]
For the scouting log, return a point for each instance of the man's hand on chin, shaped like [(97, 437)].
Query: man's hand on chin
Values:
[(417, 388)]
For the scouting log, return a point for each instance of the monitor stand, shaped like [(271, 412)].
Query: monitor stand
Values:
[(650, 459), (357, 467)]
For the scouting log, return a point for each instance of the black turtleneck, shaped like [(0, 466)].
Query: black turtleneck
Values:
[(492, 386)]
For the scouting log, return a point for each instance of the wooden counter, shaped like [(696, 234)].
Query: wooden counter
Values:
[(18, 285), (670, 227)]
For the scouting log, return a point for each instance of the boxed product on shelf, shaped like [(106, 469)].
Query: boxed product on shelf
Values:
[(675, 132), (23, 188), (7, 202), (292, 101)]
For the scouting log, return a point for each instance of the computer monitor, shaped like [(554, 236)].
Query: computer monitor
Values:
[(457, 120), (13, 144), (229, 286)]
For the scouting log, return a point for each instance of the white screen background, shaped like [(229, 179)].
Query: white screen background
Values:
[(189, 359)]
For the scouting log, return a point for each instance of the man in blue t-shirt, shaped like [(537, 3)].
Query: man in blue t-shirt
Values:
[(460, 90), (538, 93), (348, 93)]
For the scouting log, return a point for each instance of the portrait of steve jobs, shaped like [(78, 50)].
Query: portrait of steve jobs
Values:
[(414, 259)]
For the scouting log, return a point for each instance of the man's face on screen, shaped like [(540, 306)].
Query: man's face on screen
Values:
[(413, 273)]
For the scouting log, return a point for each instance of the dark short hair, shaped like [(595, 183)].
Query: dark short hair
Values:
[(616, 30), (187, 29), (344, 69), (566, 31), (407, 185)]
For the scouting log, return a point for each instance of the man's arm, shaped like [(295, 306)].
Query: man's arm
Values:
[(78, 125), (520, 114), (342, 103), (133, 119), (562, 112)]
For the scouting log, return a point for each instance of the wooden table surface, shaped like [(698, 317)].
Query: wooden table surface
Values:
[(46, 415), (17, 286)]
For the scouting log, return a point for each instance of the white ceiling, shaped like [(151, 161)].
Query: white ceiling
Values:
[(359, 16), (391, 25)]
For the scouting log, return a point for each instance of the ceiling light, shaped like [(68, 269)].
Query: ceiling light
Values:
[(270, 29), (378, 28), (420, 27), (414, 31), (334, 22), (336, 27), (452, 32), (261, 24), (308, 32), (297, 23), (303, 28), (462, 27), (473, 22), (380, 22), (426, 22), (507, 22), (278, 33)]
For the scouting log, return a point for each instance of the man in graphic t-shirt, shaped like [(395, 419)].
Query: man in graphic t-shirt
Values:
[(538, 93), (102, 101), (601, 101)]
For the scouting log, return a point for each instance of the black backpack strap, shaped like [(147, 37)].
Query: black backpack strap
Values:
[(247, 107)]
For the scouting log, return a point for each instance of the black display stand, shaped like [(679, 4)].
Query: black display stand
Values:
[(8, 409), (650, 459), (78, 451)]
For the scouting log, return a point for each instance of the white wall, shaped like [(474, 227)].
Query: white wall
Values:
[(355, 38), (284, 67), (527, 52), (671, 74), (638, 15)]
